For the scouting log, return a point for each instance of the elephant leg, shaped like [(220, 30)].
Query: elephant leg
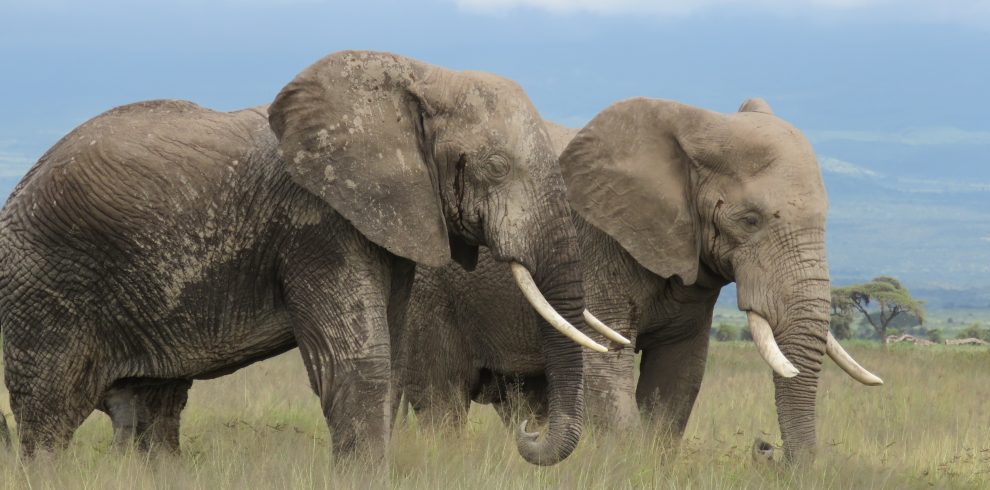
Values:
[(148, 415), (438, 374), (49, 402), (669, 381), (610, 401), (340, 324), (442, 408), (163, 408), (122, 407), (440, 390), (403, 273)]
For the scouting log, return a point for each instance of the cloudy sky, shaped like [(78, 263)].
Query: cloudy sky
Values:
[(903, 73), (894, 91)]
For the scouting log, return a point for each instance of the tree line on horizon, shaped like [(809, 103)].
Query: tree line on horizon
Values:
[(885, 308)]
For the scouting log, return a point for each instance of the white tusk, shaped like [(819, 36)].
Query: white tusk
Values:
[(767, 345), (848, 364), (532, 293), (604, 330)]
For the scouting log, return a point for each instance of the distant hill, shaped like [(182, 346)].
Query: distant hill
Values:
[(936, 240)]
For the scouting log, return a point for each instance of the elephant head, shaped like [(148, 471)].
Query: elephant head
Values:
[(712, 198), (431, 163)]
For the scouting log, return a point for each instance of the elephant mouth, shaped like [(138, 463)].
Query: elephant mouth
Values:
[(767, 346)]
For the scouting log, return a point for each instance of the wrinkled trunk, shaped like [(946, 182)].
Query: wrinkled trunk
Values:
[(793, 294), (553, 261), (795, 397)]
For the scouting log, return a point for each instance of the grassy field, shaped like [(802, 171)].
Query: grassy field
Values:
[(929, 426)]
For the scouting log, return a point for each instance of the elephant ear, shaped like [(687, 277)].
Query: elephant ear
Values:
[(350, 131), (627, 174), (560, 136), (756, 104)]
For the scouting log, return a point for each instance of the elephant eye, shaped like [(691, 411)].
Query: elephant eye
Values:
[(750, 220), (497, 167)]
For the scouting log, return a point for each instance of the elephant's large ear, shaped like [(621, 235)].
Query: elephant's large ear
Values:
[(350, 131), (560, 136), (627, 174)]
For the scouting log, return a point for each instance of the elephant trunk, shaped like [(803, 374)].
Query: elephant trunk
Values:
[(795, 397), (558, 276), (792, 295)]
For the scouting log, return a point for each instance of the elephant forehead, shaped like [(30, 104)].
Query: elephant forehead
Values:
[(762, 142), (802, 197)]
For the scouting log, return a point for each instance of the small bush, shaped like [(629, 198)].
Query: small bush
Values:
[(975, 331), (935, 335), (841, 326), (726, 331)]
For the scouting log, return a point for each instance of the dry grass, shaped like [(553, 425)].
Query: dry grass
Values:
[(929, 426)]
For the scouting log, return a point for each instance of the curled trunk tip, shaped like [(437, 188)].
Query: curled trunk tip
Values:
[(539, 454)]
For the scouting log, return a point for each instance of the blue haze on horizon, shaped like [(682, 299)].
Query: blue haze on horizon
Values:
[(892, 94)]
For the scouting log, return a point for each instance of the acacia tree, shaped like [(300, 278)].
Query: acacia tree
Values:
[(841, 322), (889, 296)]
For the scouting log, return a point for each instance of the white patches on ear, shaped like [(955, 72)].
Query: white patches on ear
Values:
[(323, 138), (756, 104)]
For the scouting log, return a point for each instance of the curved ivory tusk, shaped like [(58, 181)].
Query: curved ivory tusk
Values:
[(532, 293), (848, 364), (603, 329), (765, 343)]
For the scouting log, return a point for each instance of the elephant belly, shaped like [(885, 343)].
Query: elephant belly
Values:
[(205, 350), (260, 339)]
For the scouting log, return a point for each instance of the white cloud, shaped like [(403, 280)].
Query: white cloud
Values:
[(966, 11), (941, 185), (912, 137), (836, 166)]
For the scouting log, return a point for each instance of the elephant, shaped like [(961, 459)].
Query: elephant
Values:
[(162, 242), (671, 202)]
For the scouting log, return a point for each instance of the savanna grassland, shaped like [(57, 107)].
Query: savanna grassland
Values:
[(929, 426)]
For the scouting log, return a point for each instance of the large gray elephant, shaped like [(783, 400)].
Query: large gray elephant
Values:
[(671, 203), (161, 242)]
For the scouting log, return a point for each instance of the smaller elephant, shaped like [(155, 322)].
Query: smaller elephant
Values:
[(161, 242), (671, 203)]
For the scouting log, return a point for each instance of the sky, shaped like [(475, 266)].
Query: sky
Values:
[(888, 91)]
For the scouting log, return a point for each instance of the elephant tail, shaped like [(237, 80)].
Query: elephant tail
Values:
[(4, 431)]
